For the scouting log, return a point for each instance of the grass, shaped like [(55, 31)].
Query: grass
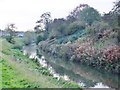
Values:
[(10, 77), (0, 73), (18, 71)]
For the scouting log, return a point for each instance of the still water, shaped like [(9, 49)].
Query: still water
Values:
[(85, 76)]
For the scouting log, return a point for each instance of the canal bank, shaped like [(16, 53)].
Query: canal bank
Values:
[(85, 76), (19, 71)]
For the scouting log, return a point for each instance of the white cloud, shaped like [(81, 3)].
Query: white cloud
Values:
[(24, 13)]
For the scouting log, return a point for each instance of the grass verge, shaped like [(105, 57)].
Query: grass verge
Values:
[(18, 71)]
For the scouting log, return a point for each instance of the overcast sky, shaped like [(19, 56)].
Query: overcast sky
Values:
[(24, 13)]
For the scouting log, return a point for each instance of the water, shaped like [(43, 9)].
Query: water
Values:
[(83, 75)]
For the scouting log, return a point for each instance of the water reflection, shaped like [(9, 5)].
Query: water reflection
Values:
[(83, 75)]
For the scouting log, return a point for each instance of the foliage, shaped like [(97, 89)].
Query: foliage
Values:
[(111, 18), (21, 72), (57, 28), (75, 13), (40, 38), (97, 27), (5, 46), (10, 78), (43, 27), (112, 53), (73, 27), (63, 29), (117, 7), (29, 37), (44, 21), (104, 58), (87, 51), (18, 43), (10, 39), (10, 29), (87, 37), (89, 15), (118, 36)]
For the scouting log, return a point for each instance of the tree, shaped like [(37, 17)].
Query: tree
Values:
[(113, 17), (97, 27), (110, 18), (73, 27), (117, 7), (85, 13), (75, 13), (89, 15), (10, 29), (44, 21), (43, 26), (117, 10), (57, 28)]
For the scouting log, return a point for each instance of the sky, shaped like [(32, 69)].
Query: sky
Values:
[(24, 13)]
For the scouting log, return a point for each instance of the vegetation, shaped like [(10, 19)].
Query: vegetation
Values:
[(29, 37), (86, 37), (89, 15), (11, 32), (19, 43), (40, 37), (31, 75)]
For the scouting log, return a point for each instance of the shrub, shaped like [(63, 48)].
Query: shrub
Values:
[(10, 39), (89, 15), (112, 53), (64, 52), (73, 58), (54, 34), (97, 27), (73, 27), (40, 37), (17, 46), (29, 37), (118, 35)]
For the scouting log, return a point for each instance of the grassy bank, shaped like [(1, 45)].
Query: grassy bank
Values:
[(18, 71)]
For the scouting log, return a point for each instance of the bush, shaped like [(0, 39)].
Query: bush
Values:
[(64, 52), (118, 36), (40, 37), (89, 15), (18, 43), (73, 58), (73, 27), (54, 34), (17, 46), (97, 27), (10, 39), (29, 37)]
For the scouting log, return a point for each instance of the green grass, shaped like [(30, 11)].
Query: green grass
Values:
[(10, 78), (0, 73), (18, 71), (5, 46)]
